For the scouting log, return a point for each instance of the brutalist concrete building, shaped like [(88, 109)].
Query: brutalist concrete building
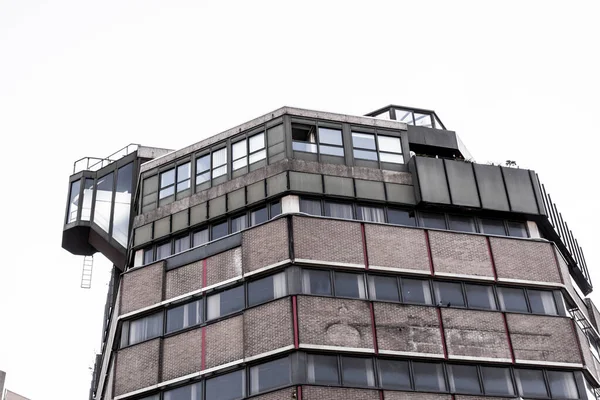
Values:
[(312, 255)]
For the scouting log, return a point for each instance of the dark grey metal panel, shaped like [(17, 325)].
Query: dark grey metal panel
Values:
[(198, 214), (180, 221), (255, 192), (432, 180), (432, 137), (200, 253), (339, 186), (491, 187), (393, 166), (537, 190), (162, 227), (257, 165), (332, 159), (143, 234), (300, 155), (461, 181), (520, 190), (369, 190), (236, 199), (277, 184), (404, 194), (366, 163), (303, 182), (216, 206)]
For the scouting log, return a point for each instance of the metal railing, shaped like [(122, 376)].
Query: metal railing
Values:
[(95, 163)]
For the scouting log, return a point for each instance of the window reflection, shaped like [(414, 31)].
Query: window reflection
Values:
[(102, 205)]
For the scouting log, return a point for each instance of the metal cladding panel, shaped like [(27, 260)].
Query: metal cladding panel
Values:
[(180, 221), (432, 137), (369, 190), (277, 184), (255, 192), (537, 188), (432, 180), (461, 181), (143, 234), (217, 206), (162, 227), (520, 190), (400, 193), (339, 186), (198, 214), (236, 199), (491, 187), (306, 182)]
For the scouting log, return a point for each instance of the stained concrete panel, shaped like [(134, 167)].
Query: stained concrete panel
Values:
[(339, 186), (461, 181), (432, 180), (491, 187), (306, 182)]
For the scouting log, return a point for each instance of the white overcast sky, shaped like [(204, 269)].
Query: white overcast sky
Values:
[(516, 80)]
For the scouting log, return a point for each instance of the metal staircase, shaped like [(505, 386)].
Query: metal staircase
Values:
[(86, 273)]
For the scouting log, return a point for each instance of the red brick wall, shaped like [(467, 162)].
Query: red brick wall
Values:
[(184, 280), (223, 266), (137, 367), (182, 354), (524, 260), (272, 321), (395, 247), (389, 395), (325, 393), (458, 253), (224, 341), (265, 245), (142, 287)]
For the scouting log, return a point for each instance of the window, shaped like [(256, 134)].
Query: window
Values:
[(238, 155), (270, 375), (226, 387), (562, 385), (189, 392), (148, 255), (338, 210), (416, 291), (275, 209), (383, 288), (219, 163), (157, 397), (480, 296), (405, 116), (364, 146), (200, 237), (390, 149), (493, 227), (202, 169), (316, 282), (461, 223), (218, 230), (394, 374), (265, 289), (163, 250), (238, 223), (73, 201), (183, 177), (167, 184), (330, 142), (401, 217), (304, 138), (464, 379), (141, 329), (322, 369), (350, 285), (423, 120), (312, 207), (497, 381), (370, 214), (226, 302), (449, 294), (256, 145), (103, 201), (542, 302), (530, 383), (357, 371), (433, 220), (182, 244), (512, 299), (429, 376), (184, 316), (517, 229), (86, 203), (259, 216)]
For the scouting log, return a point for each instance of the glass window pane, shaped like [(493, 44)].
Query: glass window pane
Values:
[(391, 158), (238, 150), (167, 178), (219, 171), (265, 289), (365, 155), (120, 230), (201, 178), (190, 392), (357, 371), (181, 186), (530, 382), (517, 229), (237, 164), (480, 296), (449, 294), (219, 157), (186, 315), (218, 230), (238, 223), (493, 227), (338, 210), (316, 282), (332, 150), (163, 250), (168, 191), (423, 120), (183, 172), (497, 381), (275, 209), (322, 369), (464, 379), (102, 205), (433, 220), (88, 192), (203, 164), (383, 288), (257, 142), (394, 374), (350, 285), (270, 375), (542, 302), (200, 237), (157, 397), (182, 244), (226, 387), (363, 140), (370, 214), (416, 291), (404, 116), (562, 385), (259, 155), (512, 299), (401, 217), (461, 223), (259, 216), (148, 255), (330, 136), (312, 207), (226, 302), (73, 201), (145, 328), (389, 144), (429, 376), (304, 146)]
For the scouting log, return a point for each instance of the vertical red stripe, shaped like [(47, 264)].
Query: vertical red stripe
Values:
[(578, 342), (373, 330), (295, 322), (203, 357), (381, 395), (429, 252), (204, 273), (489, 247), (510, 346), (364, 243), (299, 392), (442, 332)]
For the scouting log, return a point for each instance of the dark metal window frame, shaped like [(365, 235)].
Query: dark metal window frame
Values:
[(376, 133), (317, 124)]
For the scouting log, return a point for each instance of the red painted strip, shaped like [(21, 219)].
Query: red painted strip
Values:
[(442, 332), (364, 243), (381, 396), (489, 246), (295, 322), (429, 252), (373, 330), (510, 346), (203, 359), (299, 392), (204, 273), (578, 342), (562, 280)]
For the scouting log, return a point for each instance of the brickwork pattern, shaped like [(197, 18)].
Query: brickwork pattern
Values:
[(325, 393), (395, 247), (137, 367), (588, 357), (265, 245), (182, 354), (224, 341), (525, 260), (408, 328), (334, 322), (593, 313), (389, 395), (283, 394), (223, 266), (542, 338), (328, 240), (459, 397), (272, 321), (475, 333), (142, 287), (459, 253), (183, 280)]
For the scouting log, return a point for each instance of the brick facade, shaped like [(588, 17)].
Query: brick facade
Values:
[(223, 266), (142, 287), (183, 280), (273, 320), (137, 367), (462, 254), (224, 342), (524, 260), (182, 354), (284, 394), (265, 245), (396, 247), (325, 393), (389, 395)]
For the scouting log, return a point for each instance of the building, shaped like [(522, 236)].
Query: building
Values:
[(6, 394), (311, 255)]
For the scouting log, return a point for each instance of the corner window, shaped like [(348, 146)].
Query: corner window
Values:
[(265, 289), (449, 294), (167, 184), (480, 296), (270, 375), (461, 223), (383, 288), (497, 381), (141, 329), (259, 216), (312, 207), (416, 291), (542, 302), (350, 285), (464, 379), (226, 302), (357, 371), (189, 392), (517, 229), (562, 385), (238, 223), (304, 138), (316, 282), (512, 299), (226, 387), (275, 209), (401, 217), (322, 369), (530, 383), (429, 377), (184, 316), (370, 214), (394, 374), (433, 220), (390, 149), (202, 169), (330, 142), (219, 163), (338, 210)]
